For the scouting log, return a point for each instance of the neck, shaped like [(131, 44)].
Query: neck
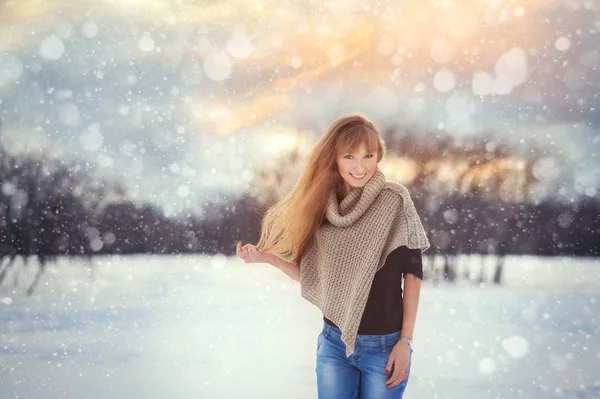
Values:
[(346, 190)]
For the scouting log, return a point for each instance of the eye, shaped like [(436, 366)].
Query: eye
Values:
[(366, 156)]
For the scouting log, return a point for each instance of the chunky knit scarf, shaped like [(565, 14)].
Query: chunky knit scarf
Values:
[(355, 238)]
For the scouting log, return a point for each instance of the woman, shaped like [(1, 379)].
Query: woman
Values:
[(348, 237)]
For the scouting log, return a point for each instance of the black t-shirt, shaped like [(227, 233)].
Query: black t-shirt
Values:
[(383, 312)]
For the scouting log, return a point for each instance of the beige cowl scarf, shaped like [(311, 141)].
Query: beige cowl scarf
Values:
[(356, 237)]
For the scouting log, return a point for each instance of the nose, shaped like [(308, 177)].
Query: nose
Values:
[(358, 168)]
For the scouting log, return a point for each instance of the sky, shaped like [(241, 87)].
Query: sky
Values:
[(179, 100)]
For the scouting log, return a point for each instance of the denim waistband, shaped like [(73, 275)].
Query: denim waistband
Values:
[(384, 341)]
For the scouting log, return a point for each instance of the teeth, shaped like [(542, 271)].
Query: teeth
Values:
[(358, 176)]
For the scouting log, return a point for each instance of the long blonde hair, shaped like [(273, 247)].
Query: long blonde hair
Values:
[(290, 225)]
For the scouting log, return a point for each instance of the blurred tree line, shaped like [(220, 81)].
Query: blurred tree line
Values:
[(472, 198), (51, 208)]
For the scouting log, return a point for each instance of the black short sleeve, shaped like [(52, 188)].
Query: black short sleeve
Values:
[(383, 313), (408, 259)]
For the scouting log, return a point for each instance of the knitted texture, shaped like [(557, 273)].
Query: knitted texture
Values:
[(356, 237)]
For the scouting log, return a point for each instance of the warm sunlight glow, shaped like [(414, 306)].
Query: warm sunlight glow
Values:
[(402, 170)]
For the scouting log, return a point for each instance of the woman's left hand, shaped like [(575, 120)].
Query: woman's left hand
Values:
[(399, 359)]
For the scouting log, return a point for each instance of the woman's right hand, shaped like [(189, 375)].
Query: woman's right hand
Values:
[(250, 254)]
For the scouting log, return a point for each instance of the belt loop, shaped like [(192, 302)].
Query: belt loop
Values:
[(383, 343)]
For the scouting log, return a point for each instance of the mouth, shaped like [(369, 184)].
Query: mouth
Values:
[(358, 177)]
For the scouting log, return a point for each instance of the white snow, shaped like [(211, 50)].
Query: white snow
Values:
[(109, 238), (213, 327), (444, 80), (516, 346), (123, 109), (11, 68), (218, 66), (91, 139), (419, 87), (52, 48), (519, 11), (96, 244), (482, 83), (239, 45), (69, 114), (146, 43), (183, 191), (174, 168), (546, 169), (487, 366), (511, 70), (64, 29), (8, 188), (89, 29), (218, 261), (562, 43)]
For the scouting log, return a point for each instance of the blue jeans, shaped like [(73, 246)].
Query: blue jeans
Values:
[(362, 375)]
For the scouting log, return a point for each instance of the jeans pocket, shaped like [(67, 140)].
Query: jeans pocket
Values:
[(319, 342)]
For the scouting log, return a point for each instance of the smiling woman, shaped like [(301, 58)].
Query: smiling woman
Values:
[(349, 236), (357, 164)]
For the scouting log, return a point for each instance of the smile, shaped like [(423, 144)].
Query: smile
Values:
[(358, 177)]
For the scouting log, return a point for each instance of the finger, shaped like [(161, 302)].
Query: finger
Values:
[(244, 253), (240, 248), (390, 363), (393, 381), (239, 253), (403, 376), (396, 379)]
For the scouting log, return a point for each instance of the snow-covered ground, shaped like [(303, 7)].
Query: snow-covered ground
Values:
[(214, 327)]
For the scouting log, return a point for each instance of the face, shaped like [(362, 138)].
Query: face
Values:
[(357, 168)]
